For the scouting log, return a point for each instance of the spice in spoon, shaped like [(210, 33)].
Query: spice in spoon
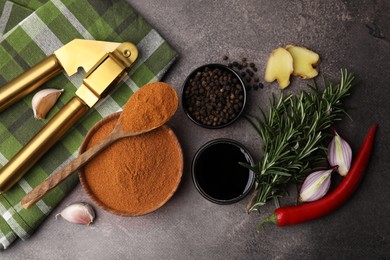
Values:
[(156, 103)]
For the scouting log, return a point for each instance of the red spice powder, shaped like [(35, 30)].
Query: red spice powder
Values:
[(135, 175), (149, 107)]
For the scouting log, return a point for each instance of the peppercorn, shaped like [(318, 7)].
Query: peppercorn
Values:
[(214, 95), (248, 72)]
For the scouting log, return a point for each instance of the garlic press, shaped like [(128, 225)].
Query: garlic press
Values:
[(106, 65)]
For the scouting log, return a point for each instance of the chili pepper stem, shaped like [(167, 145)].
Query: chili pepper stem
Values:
[(271, 218)]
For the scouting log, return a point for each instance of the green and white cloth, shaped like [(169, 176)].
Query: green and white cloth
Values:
[(38, 34)]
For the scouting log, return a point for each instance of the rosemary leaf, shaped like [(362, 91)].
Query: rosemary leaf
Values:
[(293, 136)]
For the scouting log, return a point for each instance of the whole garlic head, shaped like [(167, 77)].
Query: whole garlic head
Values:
[(44, 100)]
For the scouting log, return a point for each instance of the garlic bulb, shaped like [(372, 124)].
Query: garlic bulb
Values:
[(78, 213), (44, 100), (340, 154), (315, 186)]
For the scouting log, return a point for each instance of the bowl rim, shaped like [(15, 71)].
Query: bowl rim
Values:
[(251, 179), (190, 76)]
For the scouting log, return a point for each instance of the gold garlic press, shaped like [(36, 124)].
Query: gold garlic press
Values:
[(106, 65)]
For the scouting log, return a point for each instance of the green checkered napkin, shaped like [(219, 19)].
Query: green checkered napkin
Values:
[(48, 28), (10, 15)]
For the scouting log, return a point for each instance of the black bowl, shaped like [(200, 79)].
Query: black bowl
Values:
[(223, 118), (217, 174)]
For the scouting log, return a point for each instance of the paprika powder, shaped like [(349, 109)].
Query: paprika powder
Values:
[(154, 104)]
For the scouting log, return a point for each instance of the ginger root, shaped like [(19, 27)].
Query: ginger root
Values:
[(303, 61), (279, 67), (295, 60)]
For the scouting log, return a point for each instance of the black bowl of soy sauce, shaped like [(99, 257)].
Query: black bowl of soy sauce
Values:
[(217, 174)]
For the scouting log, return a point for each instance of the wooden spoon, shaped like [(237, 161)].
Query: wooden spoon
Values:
[(147, 109)]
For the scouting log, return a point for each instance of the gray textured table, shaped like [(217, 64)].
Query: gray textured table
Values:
[(347, 34)]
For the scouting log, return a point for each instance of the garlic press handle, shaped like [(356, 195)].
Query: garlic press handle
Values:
[(29, 81), (41, 143)]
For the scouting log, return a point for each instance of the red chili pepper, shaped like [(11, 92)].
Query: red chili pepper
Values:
[(309, 211)]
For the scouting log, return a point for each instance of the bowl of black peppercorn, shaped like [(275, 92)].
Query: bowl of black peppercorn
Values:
[(213, 96)]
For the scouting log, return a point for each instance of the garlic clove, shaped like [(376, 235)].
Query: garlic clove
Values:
[(78, 213), (315, 186), (340, 154), (44, 100)]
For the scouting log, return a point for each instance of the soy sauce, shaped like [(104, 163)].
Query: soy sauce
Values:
[(219, 175)]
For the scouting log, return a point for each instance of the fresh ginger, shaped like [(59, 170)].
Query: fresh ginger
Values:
[(303, 61), (295, 60), (279, 67)]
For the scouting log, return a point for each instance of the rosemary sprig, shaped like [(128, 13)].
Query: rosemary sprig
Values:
[(293, 136)]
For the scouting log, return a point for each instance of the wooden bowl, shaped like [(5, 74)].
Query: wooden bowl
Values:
[(118, 189)]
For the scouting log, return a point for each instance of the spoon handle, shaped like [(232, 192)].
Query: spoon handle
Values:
[(56, 178)]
